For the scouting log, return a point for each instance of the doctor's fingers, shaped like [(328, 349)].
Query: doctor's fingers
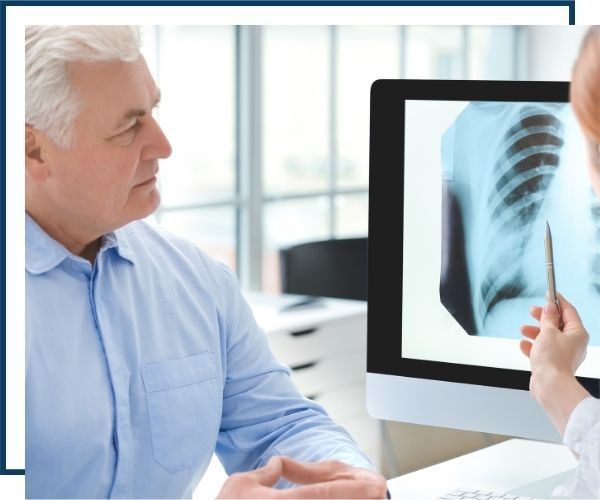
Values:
[(530, 331), (535, 312), (525, 347), (570, 316)]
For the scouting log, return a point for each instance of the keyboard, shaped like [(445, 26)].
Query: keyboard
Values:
[(470, 494)]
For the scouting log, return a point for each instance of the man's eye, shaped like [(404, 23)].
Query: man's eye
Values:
[(131, 129), (128, 135)]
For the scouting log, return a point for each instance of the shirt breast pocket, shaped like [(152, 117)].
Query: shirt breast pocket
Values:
[(183, 408)]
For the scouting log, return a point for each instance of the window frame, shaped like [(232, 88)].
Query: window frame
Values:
[(249, 198)]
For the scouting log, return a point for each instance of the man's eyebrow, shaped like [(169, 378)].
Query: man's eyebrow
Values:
[(135, 113)]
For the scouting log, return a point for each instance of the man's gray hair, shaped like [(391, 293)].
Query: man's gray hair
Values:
[(51, 103)]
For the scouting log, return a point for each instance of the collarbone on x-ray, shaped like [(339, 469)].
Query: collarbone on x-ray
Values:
[(507, 168)]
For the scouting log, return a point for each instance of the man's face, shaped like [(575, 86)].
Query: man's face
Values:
[(107, 177)]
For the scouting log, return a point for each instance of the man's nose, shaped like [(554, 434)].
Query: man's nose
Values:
[(158, 146)]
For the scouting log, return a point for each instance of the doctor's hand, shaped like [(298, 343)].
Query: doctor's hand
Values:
[(553, 349), (555, 355), (328, 479)]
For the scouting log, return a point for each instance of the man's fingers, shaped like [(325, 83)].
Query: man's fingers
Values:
[(328, 479), (343, 488), (536, 312), (254, 484), (306, 473), (269, 474), (530, 331), (331, 479), (525, 347)]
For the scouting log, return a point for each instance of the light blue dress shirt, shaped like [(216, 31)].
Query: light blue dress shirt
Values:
[(141, 366)]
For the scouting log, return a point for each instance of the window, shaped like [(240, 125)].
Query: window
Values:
[(270, 126), (296, 96), (195, 70), (364, 54), (435, 52)]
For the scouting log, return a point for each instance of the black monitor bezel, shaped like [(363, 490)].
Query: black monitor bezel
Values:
[(386, 223)]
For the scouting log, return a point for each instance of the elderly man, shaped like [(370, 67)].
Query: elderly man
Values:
[(142, 356)]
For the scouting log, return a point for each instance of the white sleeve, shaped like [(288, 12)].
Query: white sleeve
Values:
[(582, 435)]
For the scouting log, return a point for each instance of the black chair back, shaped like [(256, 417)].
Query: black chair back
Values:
[(329, 268)]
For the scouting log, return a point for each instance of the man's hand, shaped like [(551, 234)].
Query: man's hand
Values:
[(555, 356), (329, 479)]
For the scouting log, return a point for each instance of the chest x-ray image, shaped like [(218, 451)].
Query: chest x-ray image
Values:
[(507, 168)]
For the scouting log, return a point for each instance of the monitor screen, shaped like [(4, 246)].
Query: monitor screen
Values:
[(481, 178), (463, 177)]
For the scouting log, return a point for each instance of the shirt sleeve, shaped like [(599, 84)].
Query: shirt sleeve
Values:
[(582, 436), (263, 412)]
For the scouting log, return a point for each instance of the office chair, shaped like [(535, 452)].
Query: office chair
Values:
[(329, 268)]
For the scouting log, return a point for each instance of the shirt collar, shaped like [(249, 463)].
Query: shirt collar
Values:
[(119, 239), (42, 253)]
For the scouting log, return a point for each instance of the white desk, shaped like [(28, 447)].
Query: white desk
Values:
[(499, 468)]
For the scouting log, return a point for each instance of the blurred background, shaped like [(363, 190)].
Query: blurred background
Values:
[(270, 124)]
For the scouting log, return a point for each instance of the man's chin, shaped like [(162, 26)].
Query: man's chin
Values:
[(148, 207), (154, 203)]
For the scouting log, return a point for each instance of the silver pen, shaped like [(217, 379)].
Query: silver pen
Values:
[(551, 295)]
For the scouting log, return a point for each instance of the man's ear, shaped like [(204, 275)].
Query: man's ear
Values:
[(36, 165)]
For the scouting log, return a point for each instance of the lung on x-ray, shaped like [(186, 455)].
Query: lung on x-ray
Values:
[(507, 168)]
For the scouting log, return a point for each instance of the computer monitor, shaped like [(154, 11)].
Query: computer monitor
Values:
[(463, 177)]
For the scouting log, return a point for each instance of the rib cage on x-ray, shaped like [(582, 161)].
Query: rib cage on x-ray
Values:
[(507, 167), (528, 158)]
